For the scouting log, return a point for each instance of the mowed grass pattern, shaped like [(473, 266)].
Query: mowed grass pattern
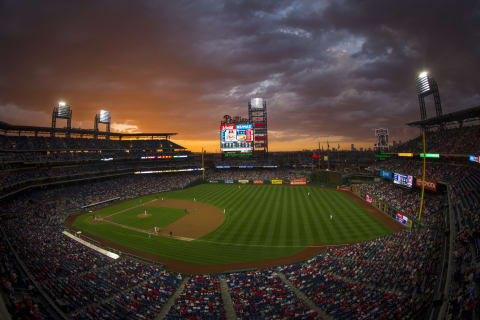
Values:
[(160, 217), (261, 221)]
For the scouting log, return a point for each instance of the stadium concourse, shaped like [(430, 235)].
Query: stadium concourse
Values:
[(46, 275)]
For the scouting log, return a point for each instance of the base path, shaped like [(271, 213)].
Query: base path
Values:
[(201, 219)]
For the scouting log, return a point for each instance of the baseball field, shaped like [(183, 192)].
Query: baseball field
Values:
[(213, 227)]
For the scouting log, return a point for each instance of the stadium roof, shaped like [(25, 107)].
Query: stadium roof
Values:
[(466, 114), (5, 127)]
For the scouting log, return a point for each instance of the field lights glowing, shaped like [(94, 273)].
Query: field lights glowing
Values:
[(423, 74), (423, 83), (62, 104)]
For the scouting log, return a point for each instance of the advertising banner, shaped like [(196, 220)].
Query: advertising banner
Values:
[(368, 198), (386, 174), (401, 218), (299, 181), (257, 181), (343, 188), (213, 181), (277, 181), (429, 183), (243, 181), (229, 181), (403, 180)]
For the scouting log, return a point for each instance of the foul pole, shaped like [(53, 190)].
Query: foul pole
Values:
[(423, 174), (203, 165)]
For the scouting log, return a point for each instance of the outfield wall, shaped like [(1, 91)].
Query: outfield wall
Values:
[(383, 206), (292, 182)]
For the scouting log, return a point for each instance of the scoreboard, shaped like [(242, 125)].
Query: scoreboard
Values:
[(236, 138)]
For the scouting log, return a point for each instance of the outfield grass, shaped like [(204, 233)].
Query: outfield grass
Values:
[(261, 222)]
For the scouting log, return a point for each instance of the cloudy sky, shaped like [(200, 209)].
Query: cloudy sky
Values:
[(329, 69)]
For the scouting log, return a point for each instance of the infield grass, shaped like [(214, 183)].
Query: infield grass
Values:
[(261, 221), (159, 217)]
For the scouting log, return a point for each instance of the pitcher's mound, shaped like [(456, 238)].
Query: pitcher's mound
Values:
[(143, 215)]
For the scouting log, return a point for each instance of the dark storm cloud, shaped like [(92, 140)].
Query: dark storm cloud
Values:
[(326, 68)]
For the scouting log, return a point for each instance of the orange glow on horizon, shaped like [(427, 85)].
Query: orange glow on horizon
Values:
[(213, 146)]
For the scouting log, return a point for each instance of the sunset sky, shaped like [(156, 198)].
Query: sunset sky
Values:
[(331, 70)]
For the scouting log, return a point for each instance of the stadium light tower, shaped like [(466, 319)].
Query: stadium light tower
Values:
[(61, 111), (426, 86), (102, 117)]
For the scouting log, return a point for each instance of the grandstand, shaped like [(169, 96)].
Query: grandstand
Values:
[(430, 270)]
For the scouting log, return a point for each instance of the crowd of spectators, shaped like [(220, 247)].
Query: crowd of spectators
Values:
[(464, 292), (433, 170), (14, 178), (393, 276), (200, 299), (75, 276), (21, 143), (254, 174), (41, 149), (462, 140), (263, 295), (20, 293), (406, 201)]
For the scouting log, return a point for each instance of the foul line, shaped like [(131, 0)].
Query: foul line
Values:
[(115, 213), (274, 246)]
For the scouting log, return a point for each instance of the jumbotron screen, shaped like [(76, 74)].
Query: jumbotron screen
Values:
[(403, 180), (236, 137)]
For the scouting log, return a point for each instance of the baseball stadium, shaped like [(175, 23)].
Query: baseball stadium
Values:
[(102, 221)]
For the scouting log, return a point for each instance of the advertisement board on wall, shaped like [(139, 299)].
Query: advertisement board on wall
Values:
[(257, 181), (368, 198), (299, 181), (386, 174), (277, 181), (243, 181), (229, 181), (429, 183), (403, 180), (474, 158), (401, 218)]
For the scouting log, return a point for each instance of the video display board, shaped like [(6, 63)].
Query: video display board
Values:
[(385, 174), (403, 180), (236, 137)]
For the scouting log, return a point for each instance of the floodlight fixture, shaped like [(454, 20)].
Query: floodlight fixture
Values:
[(423, 74), (423, 83), (61, 111), (426, 86), (104, 116)]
